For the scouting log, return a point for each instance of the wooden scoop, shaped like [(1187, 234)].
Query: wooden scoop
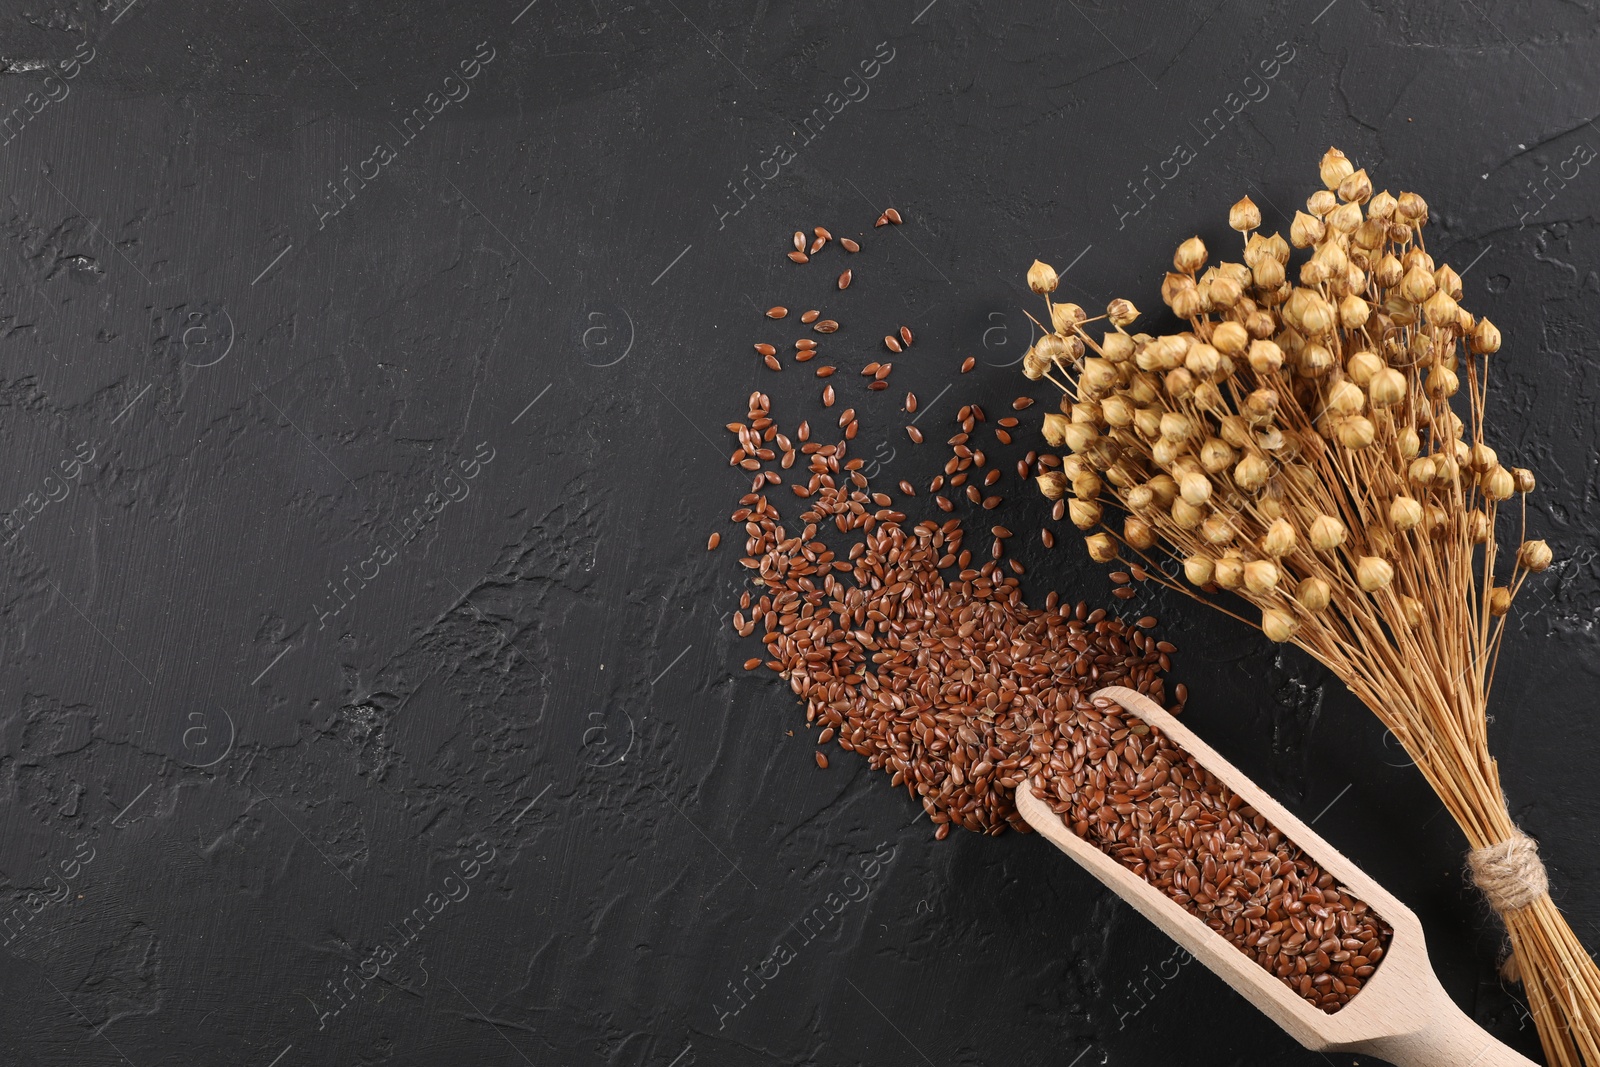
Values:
[(1401, 1014)]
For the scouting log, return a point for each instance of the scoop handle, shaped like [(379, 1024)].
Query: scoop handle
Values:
[(1449, 1038)]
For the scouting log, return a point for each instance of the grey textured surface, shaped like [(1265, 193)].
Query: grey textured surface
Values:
[(358, 555)]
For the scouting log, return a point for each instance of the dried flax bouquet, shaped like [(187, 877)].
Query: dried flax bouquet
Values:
[(1312, 444)]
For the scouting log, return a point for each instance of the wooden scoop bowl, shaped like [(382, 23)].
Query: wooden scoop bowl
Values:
[(1401, 1014)]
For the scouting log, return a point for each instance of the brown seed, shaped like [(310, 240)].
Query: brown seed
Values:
[(890, 343), (826, 326), (826, 372), (805, 342), (1009, 422), (944, 503), (846, 415), (766, 350), (822, 761), (883, 371), (799, 257), (777, 312), (991, 502), (816, 246), (827, 396), (850, 431), (799, 241), (883, 220), (893, 216), (810, 316), (1022, 403), (849, 245), (752, 663), (805, 355), (713, 541), (911, 402), (973, 494), (915, 434), (1048, 538), (870, 369), (844, 279), (822, 232), (1003, 437), (877, 387), (1000, 532), (967, 364), (1060, 508), (773, 364), (907, 488), (992, 477), (905, 335)]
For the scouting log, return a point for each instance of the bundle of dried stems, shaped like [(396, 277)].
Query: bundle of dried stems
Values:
[(1298, 447)]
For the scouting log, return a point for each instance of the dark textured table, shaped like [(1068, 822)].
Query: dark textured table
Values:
[(368, 694)]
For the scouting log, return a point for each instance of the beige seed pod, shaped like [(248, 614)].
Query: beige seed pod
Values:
[(1381, 206), (1121, 312), (1166, 451), (1315, 361), (1085, 514), (1217, 530), (1216, 455), (1034, 365), (1229, 338), (1280, 538), (1485, 338), (1102, 548), (1079, 436), (1412, 208), (1345, 218), (1411, 611), (1313, 593), (1117, 347), (1345, 398), (1334, 168), (1086, 485), (1356, 432), (1477, 524), (1147, 421), (1418, 285), (1117, 411), (1139, 498), (1306, 230), (1448, 281), (1535, 556), (1098, 377), (1361, 366), (1317, 316), (1262, 404), (1244, 216), (1186, 514), (1055, 430), (1373, 573), (1177, 425), (1405, 512), (1042, 277), (1165, 487), (1229, 572), (1268, 273), (1441, 309), (1409, 442), (1356, 187), (1442, 382), (1138, 533), (1523, 477), (1199, 569), (1321, 202), (1499, 601), (1195, 487), (1251, 473), (1053, 484), (1445, 470), (1354, 312), (1327, 533), (1261, 576), (1498, 484), (1265, 356), (1387, 388), (1481, 457), (1278, 624), (1190, 256)]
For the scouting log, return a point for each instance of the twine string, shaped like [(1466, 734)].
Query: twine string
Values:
[(1509, 873)]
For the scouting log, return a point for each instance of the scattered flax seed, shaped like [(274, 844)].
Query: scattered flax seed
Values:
[(1057, 512), (1009, 422), (905, 335), (713, 541), (915, 434), (891, 343), (878, 386), (850, 431), (1003, 437), (822, 232), (826, 372), (805, 355), (883, 372), (911, 403), (883, 220), (799, 257), (967, 364), (1048, 538), (893, 216), (870, 369), (811, 316), (822, 761), (773, 364), (849, 245), (991, 502), (973, 494), (766, 350), (844, 279), (816, 246), (1022, 403), (805, 342), (907, 488), (752, 663), (827, 396), (777, 312), (826, 326), (846, 415), (944, 503), (1000, 531), (992, 477), (799, 241)]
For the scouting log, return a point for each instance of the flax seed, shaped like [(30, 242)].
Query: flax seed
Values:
[(766, 350), (805, 355), (891, 343), (905, 336), (799, 241), (1048, 538), (772, 363), (845, 278), (827, 397), (893, 216), (849, 245), (826, 326), (805, 342), (883, 371), (915, 434), (883, 220), (822, 761), (799, 257), (811, 316), (777, 312), (1022, 403), (967, 364), (816, 246)]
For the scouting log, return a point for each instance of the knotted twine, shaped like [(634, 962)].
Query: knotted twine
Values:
[(1510, 875)]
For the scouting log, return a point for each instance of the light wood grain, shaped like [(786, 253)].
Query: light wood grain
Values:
[(1402, 1014)]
